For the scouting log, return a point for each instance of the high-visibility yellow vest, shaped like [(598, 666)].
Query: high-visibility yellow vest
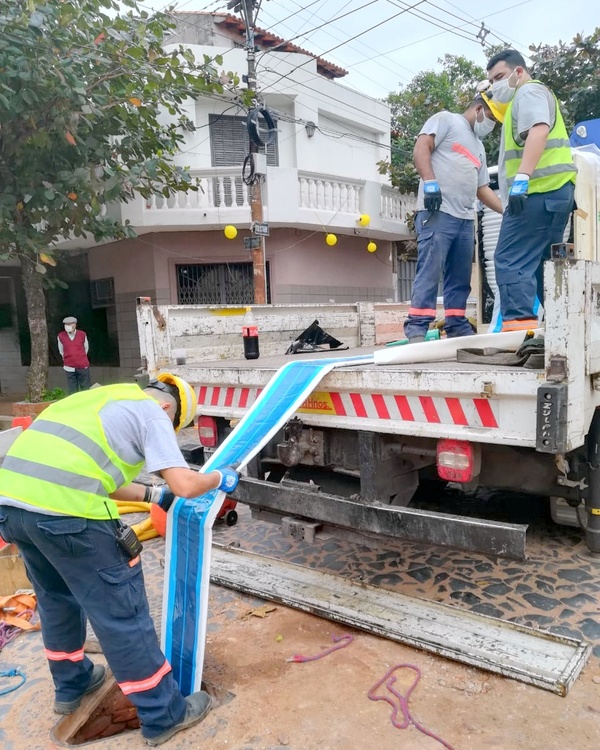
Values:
[(555, 167), (63, 462)]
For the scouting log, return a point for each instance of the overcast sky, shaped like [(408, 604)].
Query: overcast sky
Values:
[(381, 59)]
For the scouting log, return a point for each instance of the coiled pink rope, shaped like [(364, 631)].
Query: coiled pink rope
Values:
[(400, 704)]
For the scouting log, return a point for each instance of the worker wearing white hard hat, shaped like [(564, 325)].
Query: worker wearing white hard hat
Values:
[(58, 484)]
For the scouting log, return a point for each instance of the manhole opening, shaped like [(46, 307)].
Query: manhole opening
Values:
[(110, 713)]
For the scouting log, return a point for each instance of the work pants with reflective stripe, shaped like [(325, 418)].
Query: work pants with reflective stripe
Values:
[(78, 571), (523, 246), (445, 246)]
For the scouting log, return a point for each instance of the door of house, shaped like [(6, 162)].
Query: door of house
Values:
[(217, 284)]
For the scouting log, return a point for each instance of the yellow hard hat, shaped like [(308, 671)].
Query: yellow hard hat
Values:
[(184, 395), (498, 109)]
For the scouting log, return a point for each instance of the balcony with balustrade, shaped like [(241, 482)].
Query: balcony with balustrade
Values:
[(292, 198)]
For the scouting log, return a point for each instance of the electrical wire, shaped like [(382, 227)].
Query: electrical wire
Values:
[(352, 38), (316, 28), (441, 24), (474, 21), (431, 36), (364, 46)]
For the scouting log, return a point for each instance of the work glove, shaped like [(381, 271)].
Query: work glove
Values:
[(161, 496), (518, 194), (229, 479), (432, 196)]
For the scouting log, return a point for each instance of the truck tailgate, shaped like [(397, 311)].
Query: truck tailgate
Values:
[(447, 399)]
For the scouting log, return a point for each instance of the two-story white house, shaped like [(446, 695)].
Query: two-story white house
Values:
[(321, 176)]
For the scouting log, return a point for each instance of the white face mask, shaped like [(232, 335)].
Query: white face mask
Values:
[(70, 329), (483, 128), (503, 91)]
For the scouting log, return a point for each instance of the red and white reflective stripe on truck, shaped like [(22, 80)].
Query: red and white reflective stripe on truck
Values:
[(466, 412)]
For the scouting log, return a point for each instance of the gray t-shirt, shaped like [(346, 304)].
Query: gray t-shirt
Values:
[(136, 431), (533, 104), (458, 162)]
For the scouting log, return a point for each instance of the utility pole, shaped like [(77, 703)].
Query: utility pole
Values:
[(249, 11)]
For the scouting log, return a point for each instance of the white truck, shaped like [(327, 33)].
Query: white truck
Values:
[(354, 454)]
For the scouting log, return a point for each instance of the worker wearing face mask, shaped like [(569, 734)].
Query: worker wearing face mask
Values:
[(73, 347), (536, 177), (450, 159)]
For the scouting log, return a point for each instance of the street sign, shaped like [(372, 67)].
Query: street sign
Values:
[(251, 243), (261, 228)]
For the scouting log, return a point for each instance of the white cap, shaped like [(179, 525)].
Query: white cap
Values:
[(69, 319)]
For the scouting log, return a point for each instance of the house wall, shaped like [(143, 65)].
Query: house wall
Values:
[(300, 263), (130, 263), (303, 269)]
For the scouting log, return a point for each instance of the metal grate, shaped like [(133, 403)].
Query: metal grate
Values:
[(407, 270), (217, 284), (102, 292)]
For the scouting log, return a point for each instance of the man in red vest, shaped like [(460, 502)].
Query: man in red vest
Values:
[(73, 347)]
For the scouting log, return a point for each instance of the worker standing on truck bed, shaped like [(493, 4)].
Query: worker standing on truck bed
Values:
[(57, 486), (450, 159), (536, 176)]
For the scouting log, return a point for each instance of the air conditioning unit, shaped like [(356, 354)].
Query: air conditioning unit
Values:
[(102, 293)]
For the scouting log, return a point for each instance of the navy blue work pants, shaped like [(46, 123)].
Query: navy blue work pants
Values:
[(523, 246), (445, 246), (79, 380), (78, 571)]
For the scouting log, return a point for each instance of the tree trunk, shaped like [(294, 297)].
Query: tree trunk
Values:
[(38, 328)]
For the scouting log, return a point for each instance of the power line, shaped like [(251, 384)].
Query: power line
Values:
[(327, 98), (364, 46), (474, 21), (352, 38), (451, 28), (431, 36), (316, 28)]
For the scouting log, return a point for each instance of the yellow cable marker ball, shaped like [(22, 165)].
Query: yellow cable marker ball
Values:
[(331, 239), (371, 247), (364, 220), (230, 232)]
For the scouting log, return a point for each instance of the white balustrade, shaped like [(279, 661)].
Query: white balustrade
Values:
[(326, 194), (396, 205), (215, 190)]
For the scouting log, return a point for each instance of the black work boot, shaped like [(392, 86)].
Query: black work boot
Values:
[(198, 706), (98, 677)]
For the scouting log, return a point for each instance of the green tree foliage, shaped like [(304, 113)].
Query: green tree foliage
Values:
[(91, 113), (452, 89), (572, 71)]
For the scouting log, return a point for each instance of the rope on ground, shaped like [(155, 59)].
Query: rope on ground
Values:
[(12, 673), (341, 641), (400, 704)]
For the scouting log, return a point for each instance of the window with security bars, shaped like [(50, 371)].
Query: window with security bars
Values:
[(217, 284), (229, 146), (229, 142)]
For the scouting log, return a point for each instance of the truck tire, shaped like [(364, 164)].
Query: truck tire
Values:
[(592, 499)]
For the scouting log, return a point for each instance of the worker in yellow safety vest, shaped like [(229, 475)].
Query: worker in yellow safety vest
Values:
[(58, 484), (536, 177)]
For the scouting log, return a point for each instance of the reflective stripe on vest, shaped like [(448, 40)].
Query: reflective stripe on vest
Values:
[(63, 462), (555, 167)]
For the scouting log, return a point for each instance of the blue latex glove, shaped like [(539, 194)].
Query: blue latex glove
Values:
[(229, 479), (161, 496), (432, 195), (518, 194)]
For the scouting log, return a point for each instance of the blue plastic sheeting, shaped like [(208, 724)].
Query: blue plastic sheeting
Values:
[(190, 522), (586, 133)]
